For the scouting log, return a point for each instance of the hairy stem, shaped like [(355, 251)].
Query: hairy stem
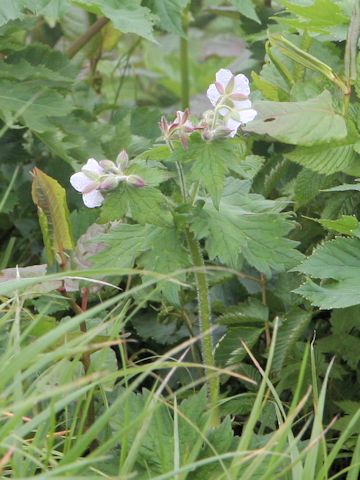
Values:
[(205, 324)]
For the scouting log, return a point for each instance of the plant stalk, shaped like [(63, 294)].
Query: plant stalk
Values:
[(205, 324), (184, 67), (86, 37)]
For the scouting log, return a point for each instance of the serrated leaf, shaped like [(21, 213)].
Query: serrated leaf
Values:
[(229, 349), (249, 225), (307, 186), (31, 104), (338, 262), (145, 205), (169, 14), (345, 188), (50, 198), (246, 8), (43, 62), (123, 245), (154, 454), (346, 224), (253, 312), (13, 9), (328, 158), (292, 327), (320, 13), (165, 254), (299, 123), (129, 16), (210, 161), (219, 439), (153, 248)]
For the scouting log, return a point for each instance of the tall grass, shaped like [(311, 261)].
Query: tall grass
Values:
[(134, 434)]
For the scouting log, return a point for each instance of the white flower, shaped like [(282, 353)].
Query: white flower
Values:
[(96, 177), (87, 182), (229, 95)]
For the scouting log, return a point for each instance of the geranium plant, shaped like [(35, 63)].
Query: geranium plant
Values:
[(208, 217)]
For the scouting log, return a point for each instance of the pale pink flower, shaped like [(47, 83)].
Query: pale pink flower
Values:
[(97, 177), (229, 95), (87, 182)]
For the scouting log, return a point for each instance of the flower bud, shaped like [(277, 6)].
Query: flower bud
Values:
[(108, 165), (122, 160), (109, 182), (135, 181)]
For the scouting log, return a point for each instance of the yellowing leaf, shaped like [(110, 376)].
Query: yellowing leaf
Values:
[(50, 199)]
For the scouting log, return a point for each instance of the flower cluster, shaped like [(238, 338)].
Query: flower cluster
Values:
[(230, 97), (98, 177)]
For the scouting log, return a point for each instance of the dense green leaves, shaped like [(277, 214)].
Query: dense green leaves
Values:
[(129, 16), (145, 205), (337, 263), (210, 161), (246, 226), (25, 101), (328, 158), (299, 123), (246, 8)]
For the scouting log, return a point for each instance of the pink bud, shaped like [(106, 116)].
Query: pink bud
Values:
[(122, 160), (135, 181)]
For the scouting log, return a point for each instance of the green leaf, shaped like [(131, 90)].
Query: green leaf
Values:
[(320, 13), (328, 158), (50, 199), (169, 14), (252, 312), (210, 161), (345, 188), (338, 262), (229, 350), (346, 224), (13, 9), (307, 186), (155, 249), (299, 123), (157, 445), (291, 328), (123, 244), (33, 105), (41, 63), (165, 254), (128, 16), (248, 225), (145, 205), (246, 8)]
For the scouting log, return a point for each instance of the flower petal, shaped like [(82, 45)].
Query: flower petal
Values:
[(93, 199), (242, 104), (242, 85), (93, 165), (213, 94), (224, 76), (233, 126), (80, 181), (247, 115)]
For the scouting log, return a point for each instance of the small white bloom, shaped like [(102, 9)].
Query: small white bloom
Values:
[(229, 95), (87, 182), (97, 177)]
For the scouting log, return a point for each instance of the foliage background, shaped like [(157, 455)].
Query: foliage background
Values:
[(62, 102)]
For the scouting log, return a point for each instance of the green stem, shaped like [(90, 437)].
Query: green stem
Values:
[(205, 324), (184, 69)]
